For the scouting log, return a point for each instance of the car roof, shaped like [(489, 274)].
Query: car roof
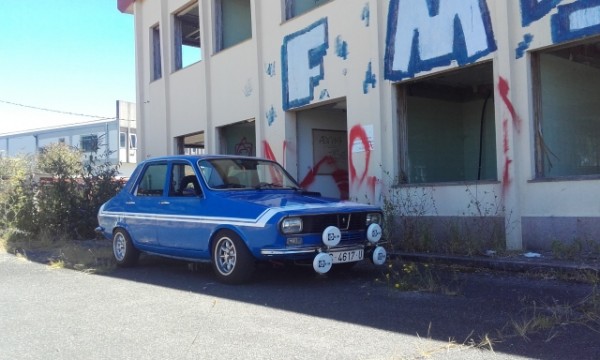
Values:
[(201, 157)]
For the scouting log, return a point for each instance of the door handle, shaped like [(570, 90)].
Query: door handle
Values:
[(130, 203), (164, 203)]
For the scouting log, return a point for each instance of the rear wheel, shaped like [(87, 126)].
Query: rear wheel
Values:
[(231, 260), (123, 250)]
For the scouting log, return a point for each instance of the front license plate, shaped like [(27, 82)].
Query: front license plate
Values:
[(339, 257)]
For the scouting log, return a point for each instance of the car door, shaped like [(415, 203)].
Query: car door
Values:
[(184, 229), (144, 206)]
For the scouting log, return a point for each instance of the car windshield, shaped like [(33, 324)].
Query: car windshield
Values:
[(245, 173)]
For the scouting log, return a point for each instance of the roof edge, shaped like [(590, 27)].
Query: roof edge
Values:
[(125, 6)]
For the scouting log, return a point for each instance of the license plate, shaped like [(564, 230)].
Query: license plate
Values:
[(339, 257)]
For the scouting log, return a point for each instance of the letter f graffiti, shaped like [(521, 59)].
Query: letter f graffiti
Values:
[(302, 56)]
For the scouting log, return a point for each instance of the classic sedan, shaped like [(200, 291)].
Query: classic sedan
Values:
[(235, 212)]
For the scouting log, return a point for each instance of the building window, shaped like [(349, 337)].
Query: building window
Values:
[(122, 140), (295, 8), (566, 82), (133, 141), (233, 23), (187, 37), (447, 127), (89, 143), (156, 63)]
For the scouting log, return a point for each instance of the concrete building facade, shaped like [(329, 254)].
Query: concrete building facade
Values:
[(460, 110)]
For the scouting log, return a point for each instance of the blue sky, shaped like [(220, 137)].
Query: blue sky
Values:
[(74, 56)]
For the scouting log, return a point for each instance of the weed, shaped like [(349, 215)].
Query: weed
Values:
[(410, 276), (550, 320)]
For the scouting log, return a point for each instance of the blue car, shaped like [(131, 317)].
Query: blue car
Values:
[(235, 212)]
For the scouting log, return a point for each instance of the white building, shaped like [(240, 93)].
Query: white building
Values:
[(117, 138), (474, 111)]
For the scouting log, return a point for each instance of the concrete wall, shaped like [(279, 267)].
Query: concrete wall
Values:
[(363, 54)]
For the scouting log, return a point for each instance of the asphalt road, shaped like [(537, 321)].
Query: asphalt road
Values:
[(164, 310)]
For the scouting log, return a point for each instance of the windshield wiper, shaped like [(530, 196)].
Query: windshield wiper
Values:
[(265, 185)]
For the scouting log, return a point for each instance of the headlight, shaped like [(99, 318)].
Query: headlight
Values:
[(291, 225), (373, 218)]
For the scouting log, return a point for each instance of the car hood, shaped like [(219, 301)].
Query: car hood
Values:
[(298, 201)]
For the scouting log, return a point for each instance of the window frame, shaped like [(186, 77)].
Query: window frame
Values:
[(178, 36), (541, 150), (155, 53)]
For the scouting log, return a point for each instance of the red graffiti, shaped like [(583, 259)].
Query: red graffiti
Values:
[(339, 176), (358, 133), (268, 152), (507, 160), (503, 89), (277, 177)]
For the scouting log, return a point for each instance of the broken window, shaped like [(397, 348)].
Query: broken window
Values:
[(156, 63), (187, 37), (566, 82), (89, 143), (447, 127), (294, 8), (233, 23)]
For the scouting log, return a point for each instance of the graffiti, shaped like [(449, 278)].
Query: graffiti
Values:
[(533, 10), (302, 55), (268, 152), (359, 135), (507, 160), (523, 45), (365, 16), (341, 47), (370, 79), (422, 35), (324, 94), (503, 90), (248, 88), (340, 176), (244, 147), (270, 69), (271, 115), (576, 20)]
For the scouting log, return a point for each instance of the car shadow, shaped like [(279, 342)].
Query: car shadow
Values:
[(487, 305)]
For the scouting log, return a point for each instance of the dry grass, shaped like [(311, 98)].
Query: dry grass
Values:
[(87, 256), (550, 320), (484, 343)]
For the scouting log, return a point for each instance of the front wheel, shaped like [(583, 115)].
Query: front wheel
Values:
[(231, 260), (125, 253)]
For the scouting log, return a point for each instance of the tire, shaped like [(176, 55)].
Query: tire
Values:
[(232, 262), (125, 253)]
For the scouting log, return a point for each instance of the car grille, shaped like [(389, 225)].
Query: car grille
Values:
[(344, 221)]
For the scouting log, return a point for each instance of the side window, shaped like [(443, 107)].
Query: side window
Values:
[(184, 181), (233, 22), (152, 182), (295, 8), (566, 82), (155, 56), (186, 37)]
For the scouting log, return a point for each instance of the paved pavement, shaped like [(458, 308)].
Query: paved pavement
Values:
[(163, 310)]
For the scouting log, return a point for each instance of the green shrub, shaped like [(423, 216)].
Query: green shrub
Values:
[(55, 194)]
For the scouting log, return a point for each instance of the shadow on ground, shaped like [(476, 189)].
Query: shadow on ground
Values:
[(486, 305)]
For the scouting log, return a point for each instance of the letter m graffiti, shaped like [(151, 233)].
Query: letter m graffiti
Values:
[(423, 34)]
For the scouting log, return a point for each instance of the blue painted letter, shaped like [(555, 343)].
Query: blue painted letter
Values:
[(302, 56), (423, 34)]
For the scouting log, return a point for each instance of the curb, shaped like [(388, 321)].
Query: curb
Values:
[(503, 264)]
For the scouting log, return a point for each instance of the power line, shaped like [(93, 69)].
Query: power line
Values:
[(56, 111)]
